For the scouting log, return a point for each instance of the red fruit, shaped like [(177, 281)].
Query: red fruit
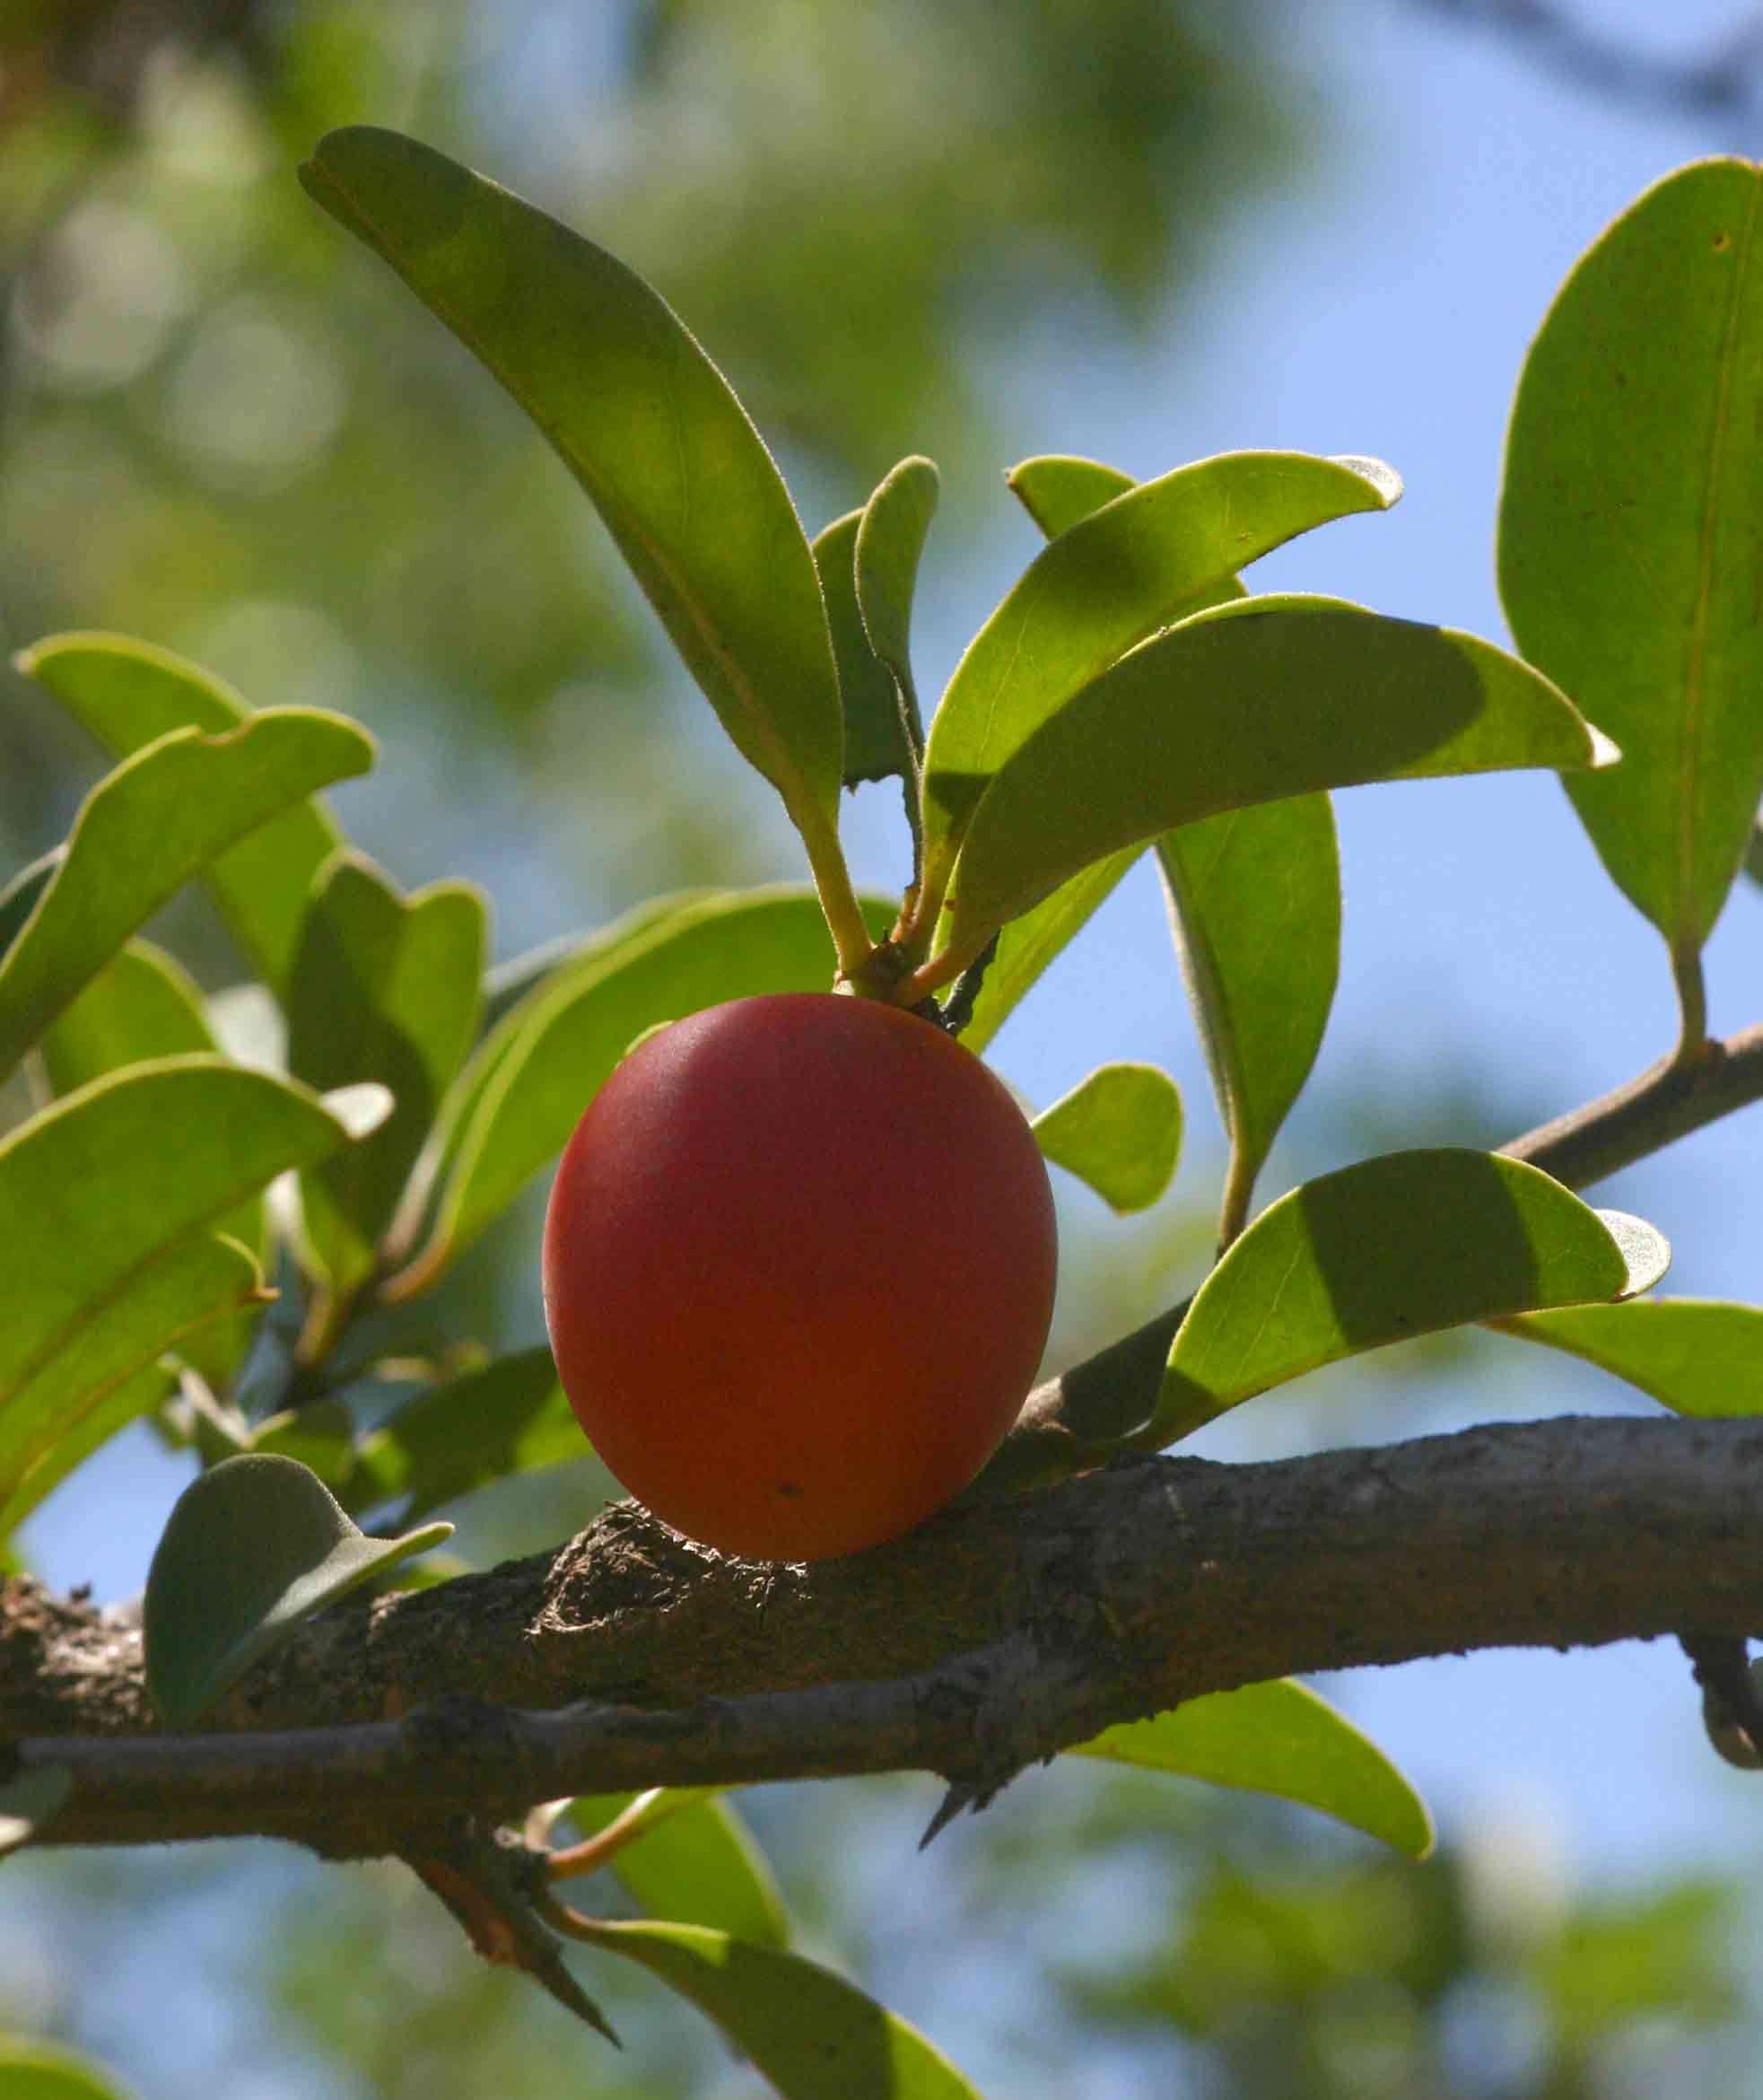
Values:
[(798, 1272)]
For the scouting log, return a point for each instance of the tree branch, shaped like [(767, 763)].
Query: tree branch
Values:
[(995, 1636)]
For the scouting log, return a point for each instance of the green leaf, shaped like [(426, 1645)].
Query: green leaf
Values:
[(890, 541), (105, 1183), (1279, 1739), (202, 1279), (509, 1417), (144, 831), (252, 1548), (693, 1859), (385, 987), (1119, 1131), (1695, 1355), (1631, 533), (877, 741), (40, 2070), (1028, 945), (136, 1396), (811, 2033), (127, 693), (26, 1803), (1246, 702), (1060, 490), (643, 420), (1254, 897), (1148, 556), (530, 1079), (18, 900), (1383, 1251)]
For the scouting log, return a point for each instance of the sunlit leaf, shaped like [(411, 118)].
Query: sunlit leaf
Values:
[(1279, 1739), (133, 1399), (252, 1547), (1029, 944), (159, 819), (811, 2033), (127, 693), (1631, 533), (1695, 1355), (692, 1858), (1380, 1252), (385, 987), (1151, 555), (643, 420), (1120, 1130), (1060, 490), (890, 542), (42, 2070), (1250, 701)]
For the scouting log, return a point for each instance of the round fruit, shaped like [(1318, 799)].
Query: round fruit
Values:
[(798, 1272)]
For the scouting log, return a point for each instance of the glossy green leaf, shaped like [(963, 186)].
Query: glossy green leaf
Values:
[(42, 2070), (252, 1547), (1120, 1130), (1631, 533), (811, 2033), (1254, 897), (201, 1280), (1279, 1739), (18, 900), (134, 1398), (691, 1858), (1060, 490), (1145, 558), (890, 542), (1028, 945), (643, 420), (385, 987), (127, 693), (1250, 701), (509, 1417), (530, 1079), (114, 1177), (1383, 1251), (144, 831), (26, 1803), (878, 737), (1695, 1355)]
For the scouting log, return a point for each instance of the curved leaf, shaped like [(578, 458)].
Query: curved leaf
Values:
[(136, 1396), (1383, 1251), (1060, 490), (18, 900), (1145, 558), (643, 420), (1250, 701), (40, 2070), (1119, 1131), (107, 1181), (1695, 1355), (1280, 1738), (690, 1857), (531, 1078), (1029, 944), (890, 541), (878, 743), (814, 2035), (251, 1547), (127, 693), (1254, 898), (385, 987), (144, 831), (509, 1417), (1631, 533)]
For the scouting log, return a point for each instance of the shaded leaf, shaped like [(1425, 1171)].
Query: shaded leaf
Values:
[(133, 1399), (144, 831), (1383, 1251), (1695, 1355), (42, 2070), (1247, 702), (525, 1087), (1279, 1739), (509, 1417), (1060, 490), (643, 420), (877, 741), (691, 1858), (128, 693), (1120, 1130), (18, 900), (26, 1803), (1631, 533), (251, 1547), (385, 987), (1254, 897), (1029, 944), (890, 542), (814, 2035), (1151, 555)]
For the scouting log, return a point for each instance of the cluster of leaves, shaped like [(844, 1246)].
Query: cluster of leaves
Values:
[(356, 1116)]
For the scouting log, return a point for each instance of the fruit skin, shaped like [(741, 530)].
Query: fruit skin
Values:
[(798, 1272)]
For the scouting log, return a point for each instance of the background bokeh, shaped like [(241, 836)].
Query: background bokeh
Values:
[(1145, 229)]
